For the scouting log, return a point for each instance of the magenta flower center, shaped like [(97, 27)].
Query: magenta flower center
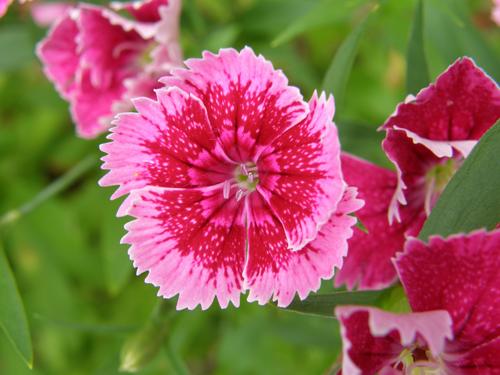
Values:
[(245, 180), (436, 180)]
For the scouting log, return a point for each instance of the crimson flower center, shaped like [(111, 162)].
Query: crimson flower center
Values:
[(245, 180)]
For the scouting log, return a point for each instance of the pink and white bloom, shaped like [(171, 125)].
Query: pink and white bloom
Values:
[(428, 137), (98, 60), (231, 176), (453, 287)]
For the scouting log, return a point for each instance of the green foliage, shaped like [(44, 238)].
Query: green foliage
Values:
[(417, 72), (471, 199), (12, 316), (82, 300)]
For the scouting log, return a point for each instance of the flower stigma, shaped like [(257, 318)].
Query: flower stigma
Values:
[(246, 179)]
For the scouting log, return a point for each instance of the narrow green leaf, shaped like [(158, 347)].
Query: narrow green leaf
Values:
[(471, 200), (324, 304), (337, 75), (324, 12), (12, 316), (417, 72)]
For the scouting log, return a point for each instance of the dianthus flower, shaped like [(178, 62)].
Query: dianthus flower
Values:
[(231, 176), (453, 287), (98, 60), (427, 139)]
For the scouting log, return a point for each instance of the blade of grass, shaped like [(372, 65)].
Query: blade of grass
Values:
[(417, 71), (337, 75)]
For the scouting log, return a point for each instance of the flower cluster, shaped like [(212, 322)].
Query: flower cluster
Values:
[(236, 184), (427, 139)]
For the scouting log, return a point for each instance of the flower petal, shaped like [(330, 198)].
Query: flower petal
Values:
[(273, 271), (47, 14), (91, 107), (374, 339), (461, 105), (58, 54), (412, 162), (300, 175), (368, 264), (107, 48), (191, 241), (169, 143), (460, 275), (249, 103), (141, 10)]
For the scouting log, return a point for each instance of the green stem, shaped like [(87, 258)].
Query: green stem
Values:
[(51, 190)]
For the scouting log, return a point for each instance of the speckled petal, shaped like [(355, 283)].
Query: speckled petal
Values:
[(368, 264), (462, 104), (300, 175), (273, 271), (249, 103), (190, 241), (458, 274), (374, 339), (168, 143)]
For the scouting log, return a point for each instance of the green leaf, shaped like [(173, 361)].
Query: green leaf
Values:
[(324, 304), (417, 72), (324, 12), (337, 75), (12, 316), (471, 199)]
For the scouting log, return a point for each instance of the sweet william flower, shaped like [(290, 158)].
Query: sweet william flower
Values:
[(453, 287), (98, 60), (231, 176), (427, 139)]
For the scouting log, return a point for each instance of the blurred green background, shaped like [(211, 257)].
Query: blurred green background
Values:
[(81, 297)]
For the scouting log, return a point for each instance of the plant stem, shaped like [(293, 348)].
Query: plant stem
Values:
[(51, 190)]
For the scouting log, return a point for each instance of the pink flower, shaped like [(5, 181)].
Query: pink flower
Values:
[(231, 175), (368, 264), (428, 137), (453, 287), (99, 60), (4, 5)]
